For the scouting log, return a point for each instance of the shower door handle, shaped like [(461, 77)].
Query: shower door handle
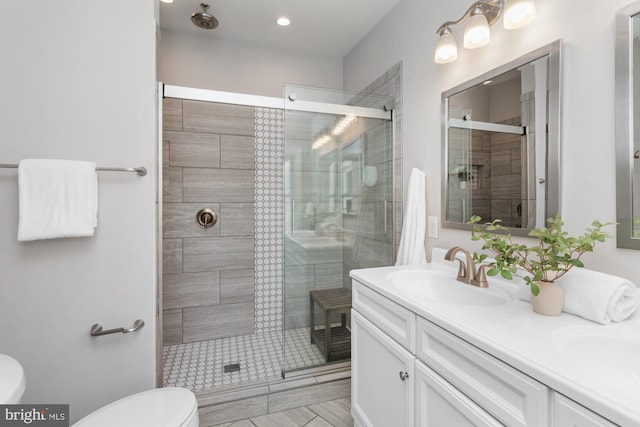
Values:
[(293, 215)]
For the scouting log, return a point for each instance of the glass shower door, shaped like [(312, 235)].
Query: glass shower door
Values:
[(338, 215)]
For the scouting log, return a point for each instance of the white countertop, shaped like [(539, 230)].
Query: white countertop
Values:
[(533, 343)]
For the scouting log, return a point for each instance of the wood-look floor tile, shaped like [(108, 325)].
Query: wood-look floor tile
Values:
[(309, 395), (242, 423), (297, 417), (318, 422), (336, 412), (232, 411)]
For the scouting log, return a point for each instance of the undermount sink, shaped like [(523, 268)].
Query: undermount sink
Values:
[(589, 346), (440, 286)]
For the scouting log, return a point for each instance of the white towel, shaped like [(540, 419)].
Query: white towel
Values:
[(412, 249), (57, 198), (596, 296)]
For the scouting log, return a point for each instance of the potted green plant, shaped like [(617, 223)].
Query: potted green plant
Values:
[(551, 258)]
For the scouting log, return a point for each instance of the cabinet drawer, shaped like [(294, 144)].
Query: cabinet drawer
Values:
[(395, 320), (509, 395), (566, 412), (438, 403)]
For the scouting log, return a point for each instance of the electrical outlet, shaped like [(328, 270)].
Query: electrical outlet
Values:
[(432, 227)]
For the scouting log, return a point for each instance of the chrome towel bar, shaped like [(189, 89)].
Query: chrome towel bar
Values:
[(142, 171), (96, 330)]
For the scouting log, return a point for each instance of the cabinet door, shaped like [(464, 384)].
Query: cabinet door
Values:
[(438, 403), (381, 377), (568, 413)]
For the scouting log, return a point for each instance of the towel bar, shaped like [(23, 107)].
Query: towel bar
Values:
[(142, 171), (96, 330)]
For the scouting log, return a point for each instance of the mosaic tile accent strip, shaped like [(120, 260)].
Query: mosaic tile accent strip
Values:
[(200, 365), (269, 234)]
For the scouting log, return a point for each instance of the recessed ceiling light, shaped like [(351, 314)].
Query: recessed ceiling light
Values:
[(283, 22), (166, 1)]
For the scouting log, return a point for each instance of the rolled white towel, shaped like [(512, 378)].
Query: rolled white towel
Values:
[(596, 296)]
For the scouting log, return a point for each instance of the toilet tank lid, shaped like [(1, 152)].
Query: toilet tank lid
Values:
[(12, 381), (160, 407)]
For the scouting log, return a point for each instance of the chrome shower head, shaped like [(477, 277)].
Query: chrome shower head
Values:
[(203, 19)]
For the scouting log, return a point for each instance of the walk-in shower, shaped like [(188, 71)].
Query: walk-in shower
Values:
[(302, 188)]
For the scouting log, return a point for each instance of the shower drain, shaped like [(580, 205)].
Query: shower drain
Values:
[(231, 367)]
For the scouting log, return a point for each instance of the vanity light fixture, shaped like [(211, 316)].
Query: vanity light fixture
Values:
[(476, 33), (479, 17), (166, 1), (519, 13), (446, 48)]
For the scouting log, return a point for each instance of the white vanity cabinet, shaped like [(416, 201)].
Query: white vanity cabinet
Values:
[(390, 387), (566, 412), (407, 371)]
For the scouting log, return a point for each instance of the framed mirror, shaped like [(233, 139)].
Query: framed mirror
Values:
[(501, 144), (627, 121)]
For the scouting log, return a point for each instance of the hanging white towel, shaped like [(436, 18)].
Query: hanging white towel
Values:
[(412, 249), (596, 296), (57, 198)]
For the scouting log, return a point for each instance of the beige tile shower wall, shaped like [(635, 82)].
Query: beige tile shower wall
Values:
[(208, 275)]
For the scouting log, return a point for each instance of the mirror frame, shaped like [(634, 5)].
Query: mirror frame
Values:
[(554, 53), (624, 126)]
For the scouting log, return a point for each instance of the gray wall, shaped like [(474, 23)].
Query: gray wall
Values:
[(208, 274), (191, 61), (81, 89), (407, 34)]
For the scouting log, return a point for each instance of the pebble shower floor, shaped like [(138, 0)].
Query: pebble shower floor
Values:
[(200, 365)]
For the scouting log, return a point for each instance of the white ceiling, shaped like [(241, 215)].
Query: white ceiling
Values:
[(323, 28)]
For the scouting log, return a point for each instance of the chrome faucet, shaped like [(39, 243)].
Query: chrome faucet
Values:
[(467, 272)]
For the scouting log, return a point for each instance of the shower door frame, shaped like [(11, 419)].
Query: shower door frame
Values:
[(234, 98)]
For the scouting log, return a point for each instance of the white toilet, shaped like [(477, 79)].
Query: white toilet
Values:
[(12, 382), (160, 407)]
